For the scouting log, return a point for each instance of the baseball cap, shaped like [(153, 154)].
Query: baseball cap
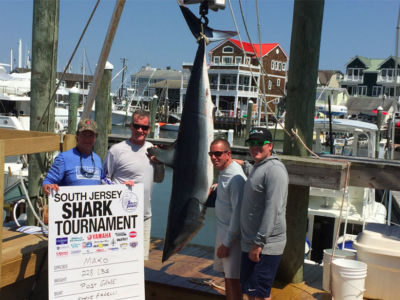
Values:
[(87, 124), (260, 134)]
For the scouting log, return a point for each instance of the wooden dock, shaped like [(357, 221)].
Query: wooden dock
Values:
[(187, 275)]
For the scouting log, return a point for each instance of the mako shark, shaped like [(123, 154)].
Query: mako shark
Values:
[(193, 171)]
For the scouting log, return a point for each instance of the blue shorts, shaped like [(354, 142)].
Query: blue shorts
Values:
[(257, 278)]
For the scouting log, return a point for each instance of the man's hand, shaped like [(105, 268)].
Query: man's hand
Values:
[(129, 182), (222, 251), (153, 157), (254, 254), (48, 187), (212, 188), (239, 161)]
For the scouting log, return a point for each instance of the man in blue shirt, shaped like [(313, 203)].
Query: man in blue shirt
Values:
[(77, 166)]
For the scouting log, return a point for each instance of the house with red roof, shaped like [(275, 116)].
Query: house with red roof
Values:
[(236, 76)]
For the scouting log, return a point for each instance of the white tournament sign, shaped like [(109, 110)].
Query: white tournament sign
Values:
[(96, 242)]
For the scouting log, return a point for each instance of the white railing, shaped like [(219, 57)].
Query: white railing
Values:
[(353, 78), (388, 79), (14, 90)]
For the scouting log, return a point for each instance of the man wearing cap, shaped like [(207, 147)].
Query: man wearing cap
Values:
[(79, 165), (262, 217), (128, 162)]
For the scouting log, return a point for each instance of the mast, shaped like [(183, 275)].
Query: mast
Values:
[(121, 90)]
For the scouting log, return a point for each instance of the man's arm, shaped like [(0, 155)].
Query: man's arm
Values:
[(54, 175), (108, 166)]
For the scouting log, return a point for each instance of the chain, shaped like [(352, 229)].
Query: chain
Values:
[(203, 12)]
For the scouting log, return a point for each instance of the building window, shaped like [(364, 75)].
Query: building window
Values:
[(272, 65), (376, 90), (78, 85), (276, 65), (217, 59), (238, 60), (63, 84), (247, 60), (278, 82), (362, 90), (283, 66), (227, 60), (279, 66), (269, 84), (227, 49)]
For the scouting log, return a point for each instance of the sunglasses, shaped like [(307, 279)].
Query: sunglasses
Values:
[(216, 153), (137, 126), (256, 143)]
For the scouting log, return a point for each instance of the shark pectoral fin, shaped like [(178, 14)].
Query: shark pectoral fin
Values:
[(165, 156)]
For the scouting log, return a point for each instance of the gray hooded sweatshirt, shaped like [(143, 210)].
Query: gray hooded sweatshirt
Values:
[(263, 213)]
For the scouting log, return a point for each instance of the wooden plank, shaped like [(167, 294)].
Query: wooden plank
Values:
[(32, 145), (315, 172), (14, 134), (69, 142), (22, 256)]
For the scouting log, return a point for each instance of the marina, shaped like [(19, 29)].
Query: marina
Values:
[(335, 132)]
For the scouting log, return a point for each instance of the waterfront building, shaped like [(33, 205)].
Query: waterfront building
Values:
[(236, 76), (371, 83)]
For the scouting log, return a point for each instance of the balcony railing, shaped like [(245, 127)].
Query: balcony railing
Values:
[(353, 78), (233, 87), (388, 79)]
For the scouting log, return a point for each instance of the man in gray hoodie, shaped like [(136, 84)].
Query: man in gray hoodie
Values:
[(262, 217)]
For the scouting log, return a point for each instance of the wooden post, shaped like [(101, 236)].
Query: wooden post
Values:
[(2, 158), (43, 82), (73, 110), (153, 112), (249, 117), (378, 133), (105, 51), (103, 112), (301, 93)]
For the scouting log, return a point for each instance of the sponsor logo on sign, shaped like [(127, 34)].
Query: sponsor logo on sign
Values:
[(132, 234), (62, 247), (76, 239), (120, 233), (61, 241), (129, 201), (75, 245), (75, 252), (97, 236), (113, 248), (87, 245), (124, 245), (122, 239), (100, 250), (62, 253), (133, 244)]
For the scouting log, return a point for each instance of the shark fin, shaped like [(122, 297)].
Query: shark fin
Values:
[(165, 156)]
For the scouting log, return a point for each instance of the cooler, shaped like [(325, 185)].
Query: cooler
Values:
[(379, 247)]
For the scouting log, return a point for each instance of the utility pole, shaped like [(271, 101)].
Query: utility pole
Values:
[(300, 108), (43, 83)]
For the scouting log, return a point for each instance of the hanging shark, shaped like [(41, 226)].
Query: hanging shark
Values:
[(193, 171)]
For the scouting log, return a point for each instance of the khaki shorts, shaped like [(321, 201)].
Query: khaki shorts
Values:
[(229, 265)]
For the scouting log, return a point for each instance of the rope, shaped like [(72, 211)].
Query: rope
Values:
[(67, 66)]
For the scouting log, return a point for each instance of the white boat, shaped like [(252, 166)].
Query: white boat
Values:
[(353, 138)]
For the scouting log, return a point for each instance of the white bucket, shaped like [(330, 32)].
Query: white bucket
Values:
[(327, 264), (348, 279)]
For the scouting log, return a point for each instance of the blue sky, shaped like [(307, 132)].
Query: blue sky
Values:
[(154, 32)]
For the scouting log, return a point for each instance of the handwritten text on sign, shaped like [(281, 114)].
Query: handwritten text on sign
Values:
[(96, 242)]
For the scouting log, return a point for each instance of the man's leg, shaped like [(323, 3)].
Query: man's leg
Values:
[(146, 237), (232, 289)]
